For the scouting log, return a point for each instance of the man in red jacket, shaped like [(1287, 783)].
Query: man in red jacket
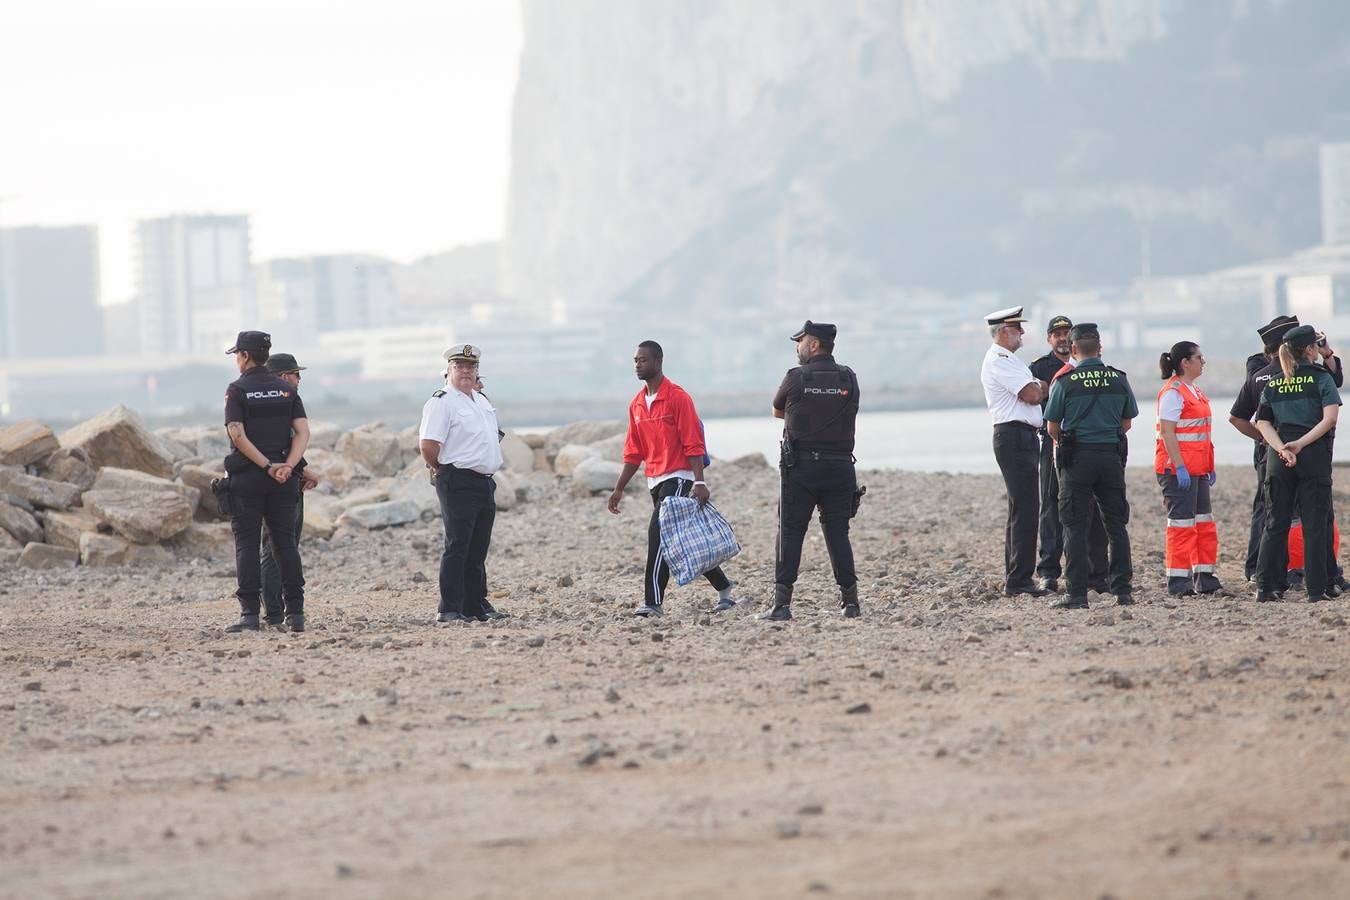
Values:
[(664, 430)]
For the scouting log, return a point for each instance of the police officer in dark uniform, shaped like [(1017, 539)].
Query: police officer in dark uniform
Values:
[(283, 365), (818, 402), (1045, 369), (1089, 412), (1297, 418), (269, 432)]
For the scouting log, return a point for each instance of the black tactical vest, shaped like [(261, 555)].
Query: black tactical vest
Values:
[(822, 406)]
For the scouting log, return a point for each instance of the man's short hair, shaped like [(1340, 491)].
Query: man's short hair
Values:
[(826, 346), (1089, 345), (654, 348)]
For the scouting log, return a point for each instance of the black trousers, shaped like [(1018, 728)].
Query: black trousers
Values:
[(1096, 474), (260, 499), (271, 572), (1306, 484), (1258, 513), (468, 511), (827, 485), (1018, 456), (1052, 532), (657, 573)]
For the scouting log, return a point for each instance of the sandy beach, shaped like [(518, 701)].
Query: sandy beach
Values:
[(951, 742)]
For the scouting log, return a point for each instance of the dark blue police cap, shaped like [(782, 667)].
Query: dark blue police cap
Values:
[(822, 330), (251, 340)]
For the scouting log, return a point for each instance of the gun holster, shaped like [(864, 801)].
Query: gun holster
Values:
[(787, 453), (858, 493), (1064, 449), (225, 499)]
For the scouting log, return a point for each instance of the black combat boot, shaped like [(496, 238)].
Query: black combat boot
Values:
[(246, 623), (782, 604), (295, 621), (848, 601)]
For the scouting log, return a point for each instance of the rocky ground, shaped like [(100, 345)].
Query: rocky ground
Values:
[(949, 743)]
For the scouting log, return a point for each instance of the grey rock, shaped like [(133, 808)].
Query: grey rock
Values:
[(40, 492), (119, 438), (20, 524), (581, 433), (596, 476), (373, 516), (71, 465), (64, 528), (374, 447), (27, 442), (48, 556), (214, 540), (146, 516), (516, 454), (572, 456), (111, 478)]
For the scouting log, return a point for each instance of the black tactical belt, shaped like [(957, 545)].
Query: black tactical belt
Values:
[(466, 471), (1017, 425), (827, 455)]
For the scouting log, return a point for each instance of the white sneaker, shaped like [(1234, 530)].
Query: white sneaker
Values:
[(647, 611)]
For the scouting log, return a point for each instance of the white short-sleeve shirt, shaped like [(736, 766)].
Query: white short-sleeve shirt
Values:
[(466, 428), (1171, 403), (1003, 376)]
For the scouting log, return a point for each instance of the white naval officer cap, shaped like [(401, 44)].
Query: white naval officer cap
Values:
[(463, 353), (1010, 316)]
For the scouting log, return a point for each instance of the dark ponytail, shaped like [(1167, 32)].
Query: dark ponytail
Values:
[(1170, 363)]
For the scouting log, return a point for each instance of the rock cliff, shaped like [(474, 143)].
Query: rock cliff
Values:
[(763, 152)]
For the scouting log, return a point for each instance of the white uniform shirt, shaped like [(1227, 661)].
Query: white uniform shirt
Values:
[(1171, 403), (1003, 375), (466, 428)]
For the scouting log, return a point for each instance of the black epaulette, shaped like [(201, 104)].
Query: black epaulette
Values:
[(1114, 369), (440, 393)]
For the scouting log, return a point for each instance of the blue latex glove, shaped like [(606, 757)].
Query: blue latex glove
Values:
[(1183, 478), (1213, 477)]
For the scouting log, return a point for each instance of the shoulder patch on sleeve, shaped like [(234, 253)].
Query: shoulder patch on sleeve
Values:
[(440, 393)]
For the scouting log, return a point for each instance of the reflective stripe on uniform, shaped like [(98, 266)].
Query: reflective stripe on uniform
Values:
[(1202, 568), (1178, 573), (1204, 517), (1193, 436), (1180, 523), (1192, 423)]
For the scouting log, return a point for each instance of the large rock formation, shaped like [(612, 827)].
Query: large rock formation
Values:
[(755, 153), (119, 438)]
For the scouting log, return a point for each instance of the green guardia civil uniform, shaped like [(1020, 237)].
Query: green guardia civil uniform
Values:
[(1294, 404), (1089, 404)]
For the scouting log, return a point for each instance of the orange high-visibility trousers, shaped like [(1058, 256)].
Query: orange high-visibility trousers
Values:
[(1296, 543)]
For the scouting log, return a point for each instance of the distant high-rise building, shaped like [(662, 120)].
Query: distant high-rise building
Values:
[(304, 297), (1335, 170), (194, 282), (49, 292)]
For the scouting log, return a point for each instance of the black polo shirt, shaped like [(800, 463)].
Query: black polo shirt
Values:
[(1045, 368), (266, 405)]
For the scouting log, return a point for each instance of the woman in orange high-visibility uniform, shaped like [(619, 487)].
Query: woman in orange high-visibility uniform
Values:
[(1184, 463)]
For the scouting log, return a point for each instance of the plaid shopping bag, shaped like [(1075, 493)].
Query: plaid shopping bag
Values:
[(694, 538)]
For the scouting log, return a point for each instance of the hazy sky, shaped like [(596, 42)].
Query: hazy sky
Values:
[(341, 125)]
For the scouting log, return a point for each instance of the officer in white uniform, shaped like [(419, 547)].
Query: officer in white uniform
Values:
[(460, 445), (1014, 395)]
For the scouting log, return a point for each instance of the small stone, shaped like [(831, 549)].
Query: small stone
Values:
[(550, 739), (33, 686), (419, 578), (565, 581), (811, 809), (344, 871), (788, 830), (611, 695), (243, 653), (859, 709), (657, 637), (536, 641), (297, 678), (362, 720), (974, 639)]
